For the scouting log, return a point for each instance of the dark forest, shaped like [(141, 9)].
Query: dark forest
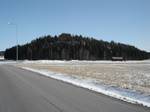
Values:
[(74, 47)]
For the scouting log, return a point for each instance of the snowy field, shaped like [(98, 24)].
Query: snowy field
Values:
[(128, 81), (130, 75)]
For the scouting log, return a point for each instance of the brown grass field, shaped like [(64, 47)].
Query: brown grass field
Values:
[(133, 75)]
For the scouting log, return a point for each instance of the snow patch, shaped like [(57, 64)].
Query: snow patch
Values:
[(85, 62), (7, 62), (119, 93)]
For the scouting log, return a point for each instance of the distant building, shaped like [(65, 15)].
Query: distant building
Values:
[(117, 59), (1, 55)]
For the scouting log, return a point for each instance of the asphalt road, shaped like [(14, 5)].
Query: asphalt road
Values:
[(25, 91)]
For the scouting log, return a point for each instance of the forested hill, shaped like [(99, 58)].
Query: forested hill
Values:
[(73, 47)]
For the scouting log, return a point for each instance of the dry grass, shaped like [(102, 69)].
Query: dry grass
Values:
[(126, 75)]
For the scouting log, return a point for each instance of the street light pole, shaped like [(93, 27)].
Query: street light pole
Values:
[(16, 42), (16, 28)]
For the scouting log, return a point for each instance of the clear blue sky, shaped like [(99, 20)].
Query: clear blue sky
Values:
[(126, 21)]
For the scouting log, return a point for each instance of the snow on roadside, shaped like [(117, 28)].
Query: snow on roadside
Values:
[(7, 62), (85, 62), (119, 93)]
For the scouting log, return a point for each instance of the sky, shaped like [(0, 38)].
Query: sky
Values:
[(125, 21)]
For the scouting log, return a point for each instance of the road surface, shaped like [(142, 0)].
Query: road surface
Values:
[(25, 91)]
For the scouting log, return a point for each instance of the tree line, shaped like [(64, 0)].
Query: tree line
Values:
[(74, 47)]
